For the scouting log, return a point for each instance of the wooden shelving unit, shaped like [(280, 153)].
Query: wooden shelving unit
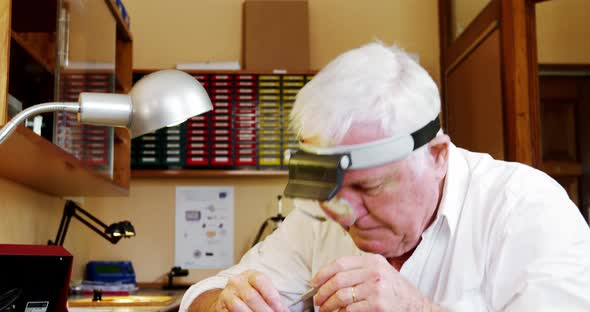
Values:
[(5, 18), (122, 29), (156, 168), (186, 173), (27, 158), (35, 51)]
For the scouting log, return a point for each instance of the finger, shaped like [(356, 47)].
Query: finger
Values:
[(263, 284), (220, 306), (359, 306), (239, 286), (342, 280), (252, 298), (229, 301), (364, 291), (346, 297), (339, 300), (339, 265)]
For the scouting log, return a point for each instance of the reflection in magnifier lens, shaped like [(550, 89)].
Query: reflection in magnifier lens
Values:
[(340, 207)]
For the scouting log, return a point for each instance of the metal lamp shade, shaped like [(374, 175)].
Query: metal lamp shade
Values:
[(165, 98)]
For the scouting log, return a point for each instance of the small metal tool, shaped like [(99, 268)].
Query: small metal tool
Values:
[(308, 294), (313, 216)]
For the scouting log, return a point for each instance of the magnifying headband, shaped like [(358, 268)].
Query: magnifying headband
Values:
[(317, 172)]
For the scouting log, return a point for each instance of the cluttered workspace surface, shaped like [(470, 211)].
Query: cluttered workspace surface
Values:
[(144, 300)]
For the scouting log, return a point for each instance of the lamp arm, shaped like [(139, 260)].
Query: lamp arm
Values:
[(78, 213), (91, 217), (113, 239), (72, 107), (63, 226)]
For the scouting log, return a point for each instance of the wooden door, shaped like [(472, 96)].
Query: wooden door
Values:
[(489, 80)]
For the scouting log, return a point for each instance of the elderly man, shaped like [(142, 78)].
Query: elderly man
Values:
[(420, 224)]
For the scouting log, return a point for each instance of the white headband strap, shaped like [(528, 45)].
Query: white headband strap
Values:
[(379, 152)]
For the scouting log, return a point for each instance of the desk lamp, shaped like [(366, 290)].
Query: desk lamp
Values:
[(160, 99), (113, 233)]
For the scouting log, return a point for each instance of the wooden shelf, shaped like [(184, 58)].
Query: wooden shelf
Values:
[(562, 168), (122, 29), (31, 160), (187, 173), (34, 47)]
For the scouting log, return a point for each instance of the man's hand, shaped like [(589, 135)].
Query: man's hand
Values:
[(248, 291), (366, 283)]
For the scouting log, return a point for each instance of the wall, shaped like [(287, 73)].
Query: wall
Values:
[(563, 31), (336, 27), (30, 217), (151, 207), (184, 31)]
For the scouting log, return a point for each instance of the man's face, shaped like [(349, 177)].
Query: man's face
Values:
[(394, 203)]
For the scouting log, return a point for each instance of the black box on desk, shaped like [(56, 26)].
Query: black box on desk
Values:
[(34, 278)]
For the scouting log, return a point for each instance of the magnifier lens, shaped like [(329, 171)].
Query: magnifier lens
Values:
[(341, 208)]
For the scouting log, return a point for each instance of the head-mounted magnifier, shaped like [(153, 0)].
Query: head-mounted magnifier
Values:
[(317, 172)]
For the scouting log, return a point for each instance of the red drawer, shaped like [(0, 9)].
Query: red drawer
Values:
[(240, 146), (197, 145), (246, 152), (221, 161), (196, 152), (245, 161), (221, 145), (222, 83), (197, 161), (246, 97), (251, 131), (197, 132), (246, 105), (247, 84)]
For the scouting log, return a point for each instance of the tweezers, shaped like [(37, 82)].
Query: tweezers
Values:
[(313, 216), (308, 294)]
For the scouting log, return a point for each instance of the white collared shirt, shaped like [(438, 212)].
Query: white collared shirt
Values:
[(506, 238)]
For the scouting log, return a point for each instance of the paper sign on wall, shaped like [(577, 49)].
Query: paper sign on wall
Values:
[(204, 227)]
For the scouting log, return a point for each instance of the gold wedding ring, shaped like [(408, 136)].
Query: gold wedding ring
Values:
[(353, 295)]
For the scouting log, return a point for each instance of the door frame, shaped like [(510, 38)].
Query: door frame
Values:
[(515, 19)]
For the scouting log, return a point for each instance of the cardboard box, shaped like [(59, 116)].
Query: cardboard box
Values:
[(275, 35)]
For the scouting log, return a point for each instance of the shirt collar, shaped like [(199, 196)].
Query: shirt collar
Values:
[(455, 188)]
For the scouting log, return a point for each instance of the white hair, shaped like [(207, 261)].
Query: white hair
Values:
[(373, 83)]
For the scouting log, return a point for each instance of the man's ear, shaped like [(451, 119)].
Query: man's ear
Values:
[(439, 151)]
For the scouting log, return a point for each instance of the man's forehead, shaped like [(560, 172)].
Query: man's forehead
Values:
[(367, 176)]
